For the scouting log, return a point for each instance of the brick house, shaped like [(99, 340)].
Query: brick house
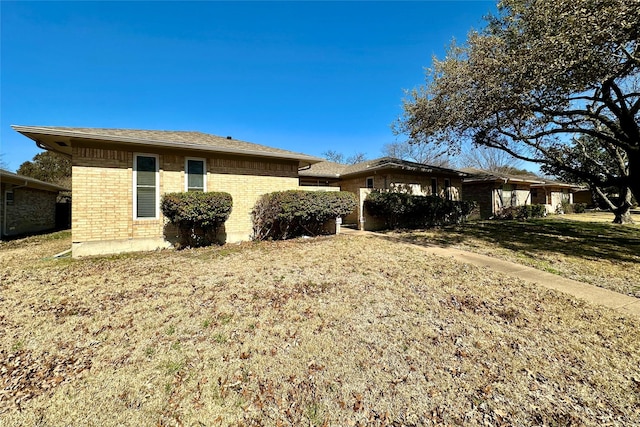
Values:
[(494, 191), (383, 173), (119, 175), (27, 205)]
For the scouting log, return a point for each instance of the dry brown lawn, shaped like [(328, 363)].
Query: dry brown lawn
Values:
[(583, 247), (338, 331)]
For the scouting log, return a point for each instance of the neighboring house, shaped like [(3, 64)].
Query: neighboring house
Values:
[(119, 176), (585, 196), (27, 205), (385, 173), (494, 191)]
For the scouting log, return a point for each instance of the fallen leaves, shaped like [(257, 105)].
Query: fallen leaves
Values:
[(25, 376), (279, 333)]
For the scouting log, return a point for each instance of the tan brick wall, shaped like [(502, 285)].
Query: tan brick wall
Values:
[(32, 210), (102, 203), (103, 194), (245, 190)]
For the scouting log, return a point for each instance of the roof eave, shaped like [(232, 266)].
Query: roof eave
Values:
[(26, 130), (29, 182), (411, 168)]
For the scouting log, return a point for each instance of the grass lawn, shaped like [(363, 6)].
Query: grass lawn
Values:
[(583, 247), (347, 330)]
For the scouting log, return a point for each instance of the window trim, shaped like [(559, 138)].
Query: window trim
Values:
[(204, 172), (135, 187), (366, 182)]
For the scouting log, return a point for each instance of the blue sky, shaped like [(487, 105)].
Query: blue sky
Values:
[(303, 76)]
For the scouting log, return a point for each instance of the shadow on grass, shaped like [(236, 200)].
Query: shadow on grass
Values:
[(583, 239)]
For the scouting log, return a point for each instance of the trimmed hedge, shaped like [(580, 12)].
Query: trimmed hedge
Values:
[(403, 210), (569, 208), (288, 214), (579, 208), (521, 212), (198, 216)]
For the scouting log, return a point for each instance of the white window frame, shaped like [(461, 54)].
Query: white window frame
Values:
[(204, 172), (135, 187), (366, 182)]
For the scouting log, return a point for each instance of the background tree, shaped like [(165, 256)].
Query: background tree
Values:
[(537, 78), (337, 157), (491, 159), (418, 153), (48, 166), (3, 164)]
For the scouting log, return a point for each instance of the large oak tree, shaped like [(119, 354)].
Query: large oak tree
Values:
[(541, 75)]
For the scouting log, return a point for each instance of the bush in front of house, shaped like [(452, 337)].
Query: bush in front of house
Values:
[(571, 208), (579, 208), (521, 212), (287, 214), (198, 216), (403, 210)]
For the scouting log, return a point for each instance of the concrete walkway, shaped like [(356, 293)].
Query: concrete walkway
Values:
[(593, 294)]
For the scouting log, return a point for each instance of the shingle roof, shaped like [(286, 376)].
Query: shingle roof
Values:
[(335, 170), (176, 139), (476, 175), (324, 169), (485, 175), (14, 178)]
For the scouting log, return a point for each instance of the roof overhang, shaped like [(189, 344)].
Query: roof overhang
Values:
[(559, 185), (504, 180), (405, 166), (25, 181), (61, 141)]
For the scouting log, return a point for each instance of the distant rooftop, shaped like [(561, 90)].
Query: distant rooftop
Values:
[(14, 178), (476, 175), (337, 170)]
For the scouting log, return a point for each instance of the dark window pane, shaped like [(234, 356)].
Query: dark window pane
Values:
[(195, 175), (146, 202), (146, 170), (146, 187)]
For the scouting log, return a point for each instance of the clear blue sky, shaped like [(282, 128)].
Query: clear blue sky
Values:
[(303, 76)]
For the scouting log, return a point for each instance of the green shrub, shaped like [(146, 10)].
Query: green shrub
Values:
[(521, 212), (198, 216), (288, 214), (579, 208), (403, 210), (564, 207)]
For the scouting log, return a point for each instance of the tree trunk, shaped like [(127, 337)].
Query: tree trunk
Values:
[(623, 214), (621, 210), (634, 172)]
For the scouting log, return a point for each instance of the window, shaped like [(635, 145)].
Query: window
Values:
[(447, 189), (369, 182), (195, 175), (434, 186), (508, 195), (145, 182), (8, 197)]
